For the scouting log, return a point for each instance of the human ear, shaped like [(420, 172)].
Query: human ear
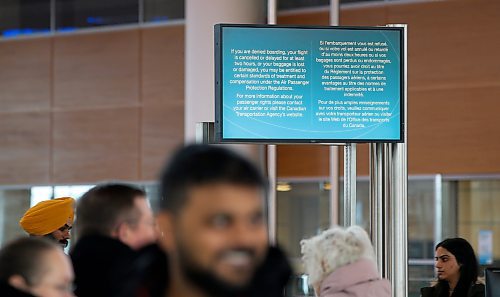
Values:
[(18, 282), (122, 232)]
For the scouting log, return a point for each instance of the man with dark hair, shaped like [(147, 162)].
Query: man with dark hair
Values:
[(213, 226), (114, 222), (34, 267)]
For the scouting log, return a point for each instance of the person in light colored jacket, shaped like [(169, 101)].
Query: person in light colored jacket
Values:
[(340, 262)]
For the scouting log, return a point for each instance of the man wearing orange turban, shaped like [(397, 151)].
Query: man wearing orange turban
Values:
[(50, 218)]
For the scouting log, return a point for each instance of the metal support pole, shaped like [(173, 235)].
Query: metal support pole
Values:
[(205, 132), (389, 194), (387, 206), (377, 207), (334, 12), (334, 183), (399, 196), (271, 154), (399, 223), (438, 208), (53, 16), (334, 150), (271, 213), (141, 11), (349, 184), (272, 6)]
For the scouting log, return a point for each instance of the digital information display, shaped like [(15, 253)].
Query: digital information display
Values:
[(308, 84)]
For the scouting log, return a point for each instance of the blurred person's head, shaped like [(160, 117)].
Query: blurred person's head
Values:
[(52, 219), (119, 211), (332, 249), (212, 219), (456, 263), (36, 266)]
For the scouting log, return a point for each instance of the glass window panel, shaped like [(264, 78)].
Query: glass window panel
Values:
[(73, 14), (71, 191), (39, 194), (478, 209), (13, 205), (419, 276), (302, 211), (421, 219), (24, 17), (420, 235), (449, 205), (362, 203), (161, 10), (152, 193)]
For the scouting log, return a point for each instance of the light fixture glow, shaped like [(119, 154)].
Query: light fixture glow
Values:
[(283, 187)]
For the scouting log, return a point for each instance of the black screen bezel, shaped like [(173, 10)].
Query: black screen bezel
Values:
[(218, 36)]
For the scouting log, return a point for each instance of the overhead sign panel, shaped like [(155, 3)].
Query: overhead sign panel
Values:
[(278, 84)]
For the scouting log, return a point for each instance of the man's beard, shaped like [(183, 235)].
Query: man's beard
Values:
[(207, 280), (62, 242)]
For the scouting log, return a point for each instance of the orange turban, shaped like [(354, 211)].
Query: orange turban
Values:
[(48, 216)]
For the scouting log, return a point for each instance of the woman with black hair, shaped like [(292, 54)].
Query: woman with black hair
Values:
[(457, 271)]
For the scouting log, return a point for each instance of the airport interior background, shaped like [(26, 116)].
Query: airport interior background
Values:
[(93, 91)]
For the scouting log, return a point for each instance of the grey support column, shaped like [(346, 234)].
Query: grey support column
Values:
[(399, 197), (349, 184), (334, 150), (379, 188), (201, 15), (438, 208), (14, 203), (399, 223), (272, 6), (389, 209)]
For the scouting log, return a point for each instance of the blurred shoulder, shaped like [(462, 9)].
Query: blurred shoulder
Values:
[(428, 291), (477, 290)]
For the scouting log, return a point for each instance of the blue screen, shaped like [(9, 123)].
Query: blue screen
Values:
[(309, 84)]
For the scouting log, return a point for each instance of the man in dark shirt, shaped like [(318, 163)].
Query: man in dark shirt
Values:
[(214, 228), (114, 224)]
